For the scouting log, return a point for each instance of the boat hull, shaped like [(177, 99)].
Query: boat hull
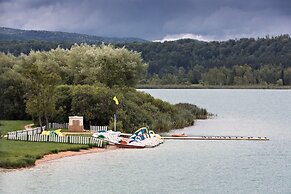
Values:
[(179, 135), (129, 146)]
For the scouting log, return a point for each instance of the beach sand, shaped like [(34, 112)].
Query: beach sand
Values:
[(59, 155)]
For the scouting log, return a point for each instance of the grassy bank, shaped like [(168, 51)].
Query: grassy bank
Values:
[(17, 154), (200, 86), (12, 125)]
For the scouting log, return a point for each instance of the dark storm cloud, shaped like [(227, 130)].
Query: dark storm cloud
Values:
[(152, 19)]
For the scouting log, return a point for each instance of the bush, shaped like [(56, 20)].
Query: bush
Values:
[(136, 109), (91, 145), (55, 151), (21, 162)]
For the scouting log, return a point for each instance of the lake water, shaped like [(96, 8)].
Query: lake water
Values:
[(184, 166)]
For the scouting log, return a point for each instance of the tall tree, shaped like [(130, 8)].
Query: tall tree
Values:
[(41, 71)]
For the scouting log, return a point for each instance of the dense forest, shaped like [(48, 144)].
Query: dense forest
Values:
[(52, 85), (246, 61)]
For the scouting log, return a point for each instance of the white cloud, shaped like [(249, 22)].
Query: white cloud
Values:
[(174, 37)]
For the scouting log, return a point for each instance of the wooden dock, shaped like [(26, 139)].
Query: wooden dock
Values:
[(250, 138), (218, 138)]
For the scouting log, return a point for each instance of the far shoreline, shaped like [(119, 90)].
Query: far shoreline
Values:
[(199, 86)]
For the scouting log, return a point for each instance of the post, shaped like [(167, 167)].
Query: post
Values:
[(117, 103), (114, 122)]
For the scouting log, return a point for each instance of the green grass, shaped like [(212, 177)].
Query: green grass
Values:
[(12, 125), (62, 129), (83, 135), (17, 154)]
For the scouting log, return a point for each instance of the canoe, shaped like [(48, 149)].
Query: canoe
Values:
[(179, 135)]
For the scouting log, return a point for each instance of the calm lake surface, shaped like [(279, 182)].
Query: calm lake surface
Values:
[(184, 166)]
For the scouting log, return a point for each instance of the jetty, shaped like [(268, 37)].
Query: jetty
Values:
[(246, 138), (218, 138)]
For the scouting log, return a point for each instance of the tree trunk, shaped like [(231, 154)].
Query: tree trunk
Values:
[(46, 120), (39, 121)]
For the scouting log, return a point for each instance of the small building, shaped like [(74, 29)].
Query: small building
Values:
[(76, 124)]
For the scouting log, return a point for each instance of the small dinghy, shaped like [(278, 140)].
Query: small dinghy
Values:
[(179, 135)]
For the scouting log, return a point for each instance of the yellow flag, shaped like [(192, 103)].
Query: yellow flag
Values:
[(116, 100)]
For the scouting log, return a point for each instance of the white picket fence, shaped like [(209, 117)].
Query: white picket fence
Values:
[(35, 135), (94, 129), (58, 139), (58, 125), (20, 133)]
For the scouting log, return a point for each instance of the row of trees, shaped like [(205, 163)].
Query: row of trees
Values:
[(135, 109), (165, 57), (236, 75), (82, 81), (166, 60)]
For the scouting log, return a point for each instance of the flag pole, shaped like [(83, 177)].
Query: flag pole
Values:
[(114, 122), (115, 118)]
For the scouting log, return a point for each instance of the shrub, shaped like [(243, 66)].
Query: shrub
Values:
[(74, 149), (55, 151)]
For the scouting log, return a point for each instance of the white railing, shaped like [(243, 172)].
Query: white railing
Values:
[(94, 129), (35, 135), (58, 139), (20, 133), (58, 125)]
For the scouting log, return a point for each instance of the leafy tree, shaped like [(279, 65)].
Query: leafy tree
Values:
[(214, 77), (12, 89), (93, 102), (41, 72), (287, 76), (270, 73)]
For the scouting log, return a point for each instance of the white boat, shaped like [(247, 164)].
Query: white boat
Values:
[(145, 137), (132, 145), (142, 138), (110, 136)]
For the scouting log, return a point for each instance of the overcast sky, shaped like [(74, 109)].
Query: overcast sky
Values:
[(152, 19)]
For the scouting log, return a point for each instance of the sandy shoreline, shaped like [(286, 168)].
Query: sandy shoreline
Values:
[(59, 155), (64, 154)]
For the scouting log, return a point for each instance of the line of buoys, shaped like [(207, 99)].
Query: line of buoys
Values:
[(218, 138)]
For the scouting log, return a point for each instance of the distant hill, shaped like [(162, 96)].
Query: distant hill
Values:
[(245, 61), (10, 34), (184, 54)]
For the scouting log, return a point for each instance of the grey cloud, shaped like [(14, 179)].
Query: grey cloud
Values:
[(151, 19)]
